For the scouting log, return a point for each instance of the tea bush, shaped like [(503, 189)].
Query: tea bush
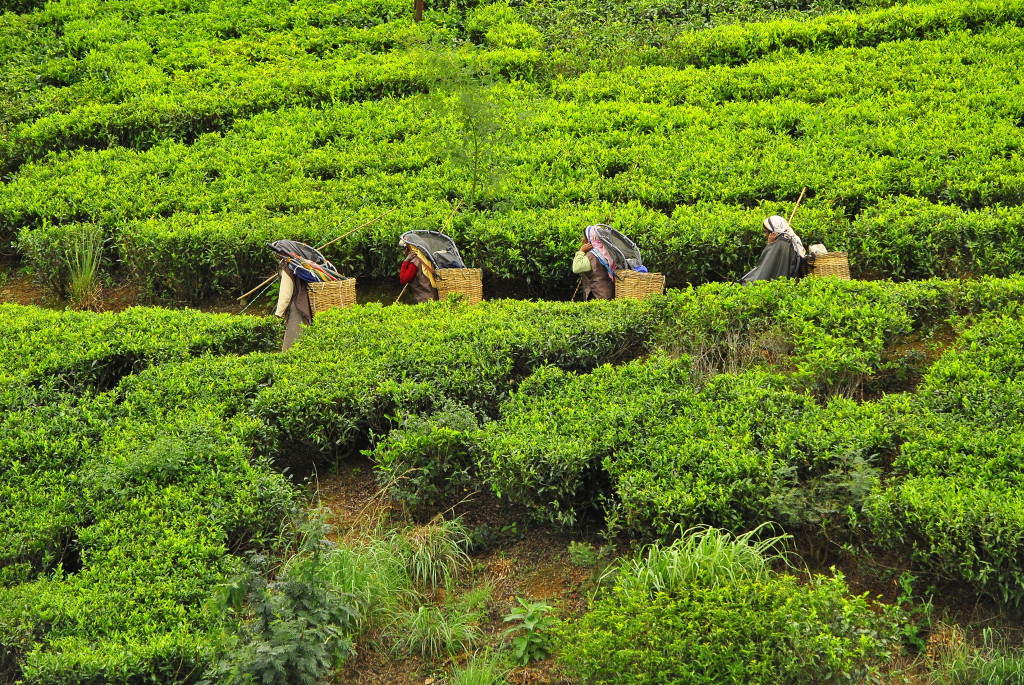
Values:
[(190, 138), (752, 625), (955, 504)]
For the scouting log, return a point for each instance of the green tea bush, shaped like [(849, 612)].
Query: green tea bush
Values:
[(749, 625), (955, 506), (427, 462), (548, 451)]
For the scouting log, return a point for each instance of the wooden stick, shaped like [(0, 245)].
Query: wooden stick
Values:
[(357, 228), (790, 219), (401, 293), (448, 224), (578, 284), (242, 297)]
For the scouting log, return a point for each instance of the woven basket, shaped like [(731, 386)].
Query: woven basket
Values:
[(331, 294), (467, 282), (829, 264), (636, 285)]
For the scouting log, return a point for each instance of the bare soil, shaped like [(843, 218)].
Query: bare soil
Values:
[(529, 563)]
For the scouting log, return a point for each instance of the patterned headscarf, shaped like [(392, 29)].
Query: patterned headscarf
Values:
[(600, 251), (778, 224)]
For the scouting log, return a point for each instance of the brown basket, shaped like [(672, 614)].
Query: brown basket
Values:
[(829, 264), (467, 282), (636, 285), (331, 294)]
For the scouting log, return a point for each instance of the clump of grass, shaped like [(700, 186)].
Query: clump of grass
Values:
[(433, 632), (375, 577), (487, 668), (991, 663), (705, 556), (434, 554), (82, 257)]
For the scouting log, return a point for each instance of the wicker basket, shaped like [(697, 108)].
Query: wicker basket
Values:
[(467, 282), (829, 264), (331, 294), (636, 285)]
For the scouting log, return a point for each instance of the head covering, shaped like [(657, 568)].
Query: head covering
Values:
[(600, 251), (778, 224)]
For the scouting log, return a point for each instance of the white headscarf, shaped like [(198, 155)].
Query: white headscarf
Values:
[(778, 224)]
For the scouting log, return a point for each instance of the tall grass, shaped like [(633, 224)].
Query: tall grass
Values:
[(82, 257), (485, 668), (989, 664), (706, 556), (433, 632), (375, 577), (434, 554)]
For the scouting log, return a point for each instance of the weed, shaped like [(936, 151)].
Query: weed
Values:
[(533, 620)]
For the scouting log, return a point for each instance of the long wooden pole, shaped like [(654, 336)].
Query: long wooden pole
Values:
[(269, 280), (331, 242), (401, 293), (790, 219), (376, 218)]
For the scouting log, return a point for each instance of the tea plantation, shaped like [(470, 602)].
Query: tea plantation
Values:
[(154, 526)]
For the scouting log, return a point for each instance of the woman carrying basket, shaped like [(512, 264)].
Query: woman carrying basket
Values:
[(595, 266), (417, 273), (782, 255)]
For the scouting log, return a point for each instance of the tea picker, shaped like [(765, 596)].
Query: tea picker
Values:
[(300, 266)]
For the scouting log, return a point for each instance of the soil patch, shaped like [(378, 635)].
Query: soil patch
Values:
[(528, 563)]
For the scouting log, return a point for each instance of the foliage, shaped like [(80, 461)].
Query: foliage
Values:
[(293, 629), (533, 621), (433, 632), (429, 461), (433, 554), (737, 623), (141, 453), (481, 669), (954, 504), (191, 137)]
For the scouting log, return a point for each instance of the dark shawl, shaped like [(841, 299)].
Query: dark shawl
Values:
[(777, 260)]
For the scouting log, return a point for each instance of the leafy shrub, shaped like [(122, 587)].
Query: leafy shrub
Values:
[(532, 620), (429, 461), (709, 610), (292, 629)]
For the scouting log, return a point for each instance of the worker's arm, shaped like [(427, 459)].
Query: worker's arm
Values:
[(284, 295), (580, 263), (407, 272)]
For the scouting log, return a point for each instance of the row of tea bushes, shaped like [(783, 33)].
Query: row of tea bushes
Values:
[(955, 499), (152, 75), (708, 608), (116, 528), (687, 161), (748, 424), (127, 506), (151, 492), (75, 352)]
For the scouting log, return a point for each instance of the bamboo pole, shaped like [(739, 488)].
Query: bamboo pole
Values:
[(331, 242), (357, 228), (269, 280), (400, 294), (790, 219)]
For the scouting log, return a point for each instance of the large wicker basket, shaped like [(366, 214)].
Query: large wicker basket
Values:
[(467, 282), (637, 285), (829, 264), (331, 294)]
